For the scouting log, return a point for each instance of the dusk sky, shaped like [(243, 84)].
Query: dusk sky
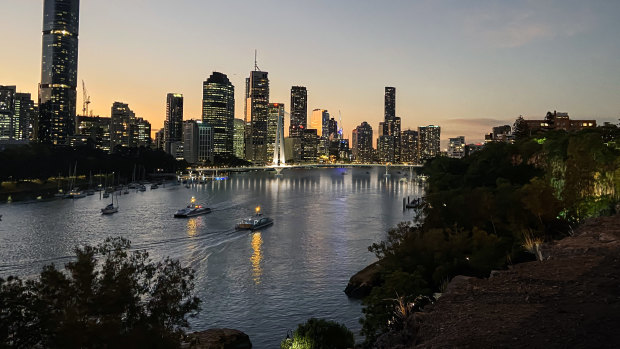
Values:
[(463, 65)]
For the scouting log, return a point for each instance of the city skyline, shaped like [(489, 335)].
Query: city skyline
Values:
[(492, 63)]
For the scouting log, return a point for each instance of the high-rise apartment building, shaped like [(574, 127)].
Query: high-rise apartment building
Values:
[(299, 111), (97, 129), (429, 142), (239, 138), (309, 145), (390, 103), (409, 146), (7, 112), (388, 144), (256, 115), (24, 116), (319, 120), (126, 129), (456, 147), (332, 129), (173, 125), (218, 110), (362, 143), (57, 91)]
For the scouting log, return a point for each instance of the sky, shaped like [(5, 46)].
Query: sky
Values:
[(461, 64)]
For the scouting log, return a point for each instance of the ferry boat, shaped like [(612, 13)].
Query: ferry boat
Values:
[(192, 210), (255, 222), (75, 194)]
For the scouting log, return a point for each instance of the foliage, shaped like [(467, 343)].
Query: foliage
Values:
[(107, 297), (44, 161), (476, 211), (319, 334)]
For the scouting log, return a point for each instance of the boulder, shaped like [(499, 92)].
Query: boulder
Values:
[(361, 284), (220, 338)]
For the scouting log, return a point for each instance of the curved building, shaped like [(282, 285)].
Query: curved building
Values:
[(57, 91)]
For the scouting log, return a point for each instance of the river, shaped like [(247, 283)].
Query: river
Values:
[(262, 283)]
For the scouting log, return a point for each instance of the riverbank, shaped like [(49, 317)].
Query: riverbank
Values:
[(570, 299)]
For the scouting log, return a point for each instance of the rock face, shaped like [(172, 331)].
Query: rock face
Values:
[(362, 283), (220, 338)]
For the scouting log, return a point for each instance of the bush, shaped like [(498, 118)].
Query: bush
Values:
[(320, 334), (107, 298)]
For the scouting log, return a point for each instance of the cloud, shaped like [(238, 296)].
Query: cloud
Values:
[(515, 24)]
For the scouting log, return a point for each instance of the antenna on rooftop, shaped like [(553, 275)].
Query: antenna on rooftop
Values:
[(256, 68)]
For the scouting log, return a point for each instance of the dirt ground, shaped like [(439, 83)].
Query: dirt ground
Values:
[(569, 300)]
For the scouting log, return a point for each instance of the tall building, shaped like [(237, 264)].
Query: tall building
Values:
[(24, 116), (409, 146), (276, 113), (173, 125), (309, 145), (362, 143), (388, 147), (198, 142), (218, 110), (299, 111), (332, 129), (256, 115), (97, 129), (319, 120), (456, 147), (239, 138), (7, 112), (428, 142), (121, 119), (57, 91)]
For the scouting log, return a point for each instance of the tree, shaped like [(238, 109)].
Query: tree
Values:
[(107, 297), (520, 128), (320, 334)]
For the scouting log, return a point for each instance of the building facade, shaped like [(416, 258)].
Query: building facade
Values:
[(388, 143), (256, 115), (276, 112), (361, 143), (7, 112), (95, 128), (429, 142), (456, 147), (299, 111), (218, 110), (409, 147), (173, 126), (198, 142), (57, 90), (559, 121), (25, 116), (239, 138)]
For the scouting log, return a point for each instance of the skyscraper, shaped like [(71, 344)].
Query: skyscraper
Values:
[(7, 112), (319, 120), (174, 121), (256, 115), (409, 146), (276, 112), (299, 111), (239, 139), (362, 143), (428, 142), (57, 91), (24, 116), (218, 110), (197, 142), (389, 149), (121, 118)]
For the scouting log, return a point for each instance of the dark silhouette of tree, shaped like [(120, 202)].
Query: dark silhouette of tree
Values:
[(521, 129), (108, 297)]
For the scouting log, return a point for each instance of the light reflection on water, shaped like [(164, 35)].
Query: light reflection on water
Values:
[(324, 221), (257, 257)]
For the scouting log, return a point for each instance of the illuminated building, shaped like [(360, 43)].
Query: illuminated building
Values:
[(332, 129), (7, 112), (24, 116), (173, 126), (309, 145), (456, 147), (126, 129), (559, 121), (409, 146), (95, 128), (276, 111), (198, 142), (319, 120), (299, 111), (428, 142), (388, 143), (256, 115), (159, 139), (218, 110), (239, 138), (362, 143), (57, 91)]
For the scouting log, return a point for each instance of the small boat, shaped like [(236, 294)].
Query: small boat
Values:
[(154, 186), (255, 222), (110, 209), (126, 191), (142, 187), (75, 194), (192, 210)]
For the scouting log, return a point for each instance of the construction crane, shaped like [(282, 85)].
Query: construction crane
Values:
[(86, 99)]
